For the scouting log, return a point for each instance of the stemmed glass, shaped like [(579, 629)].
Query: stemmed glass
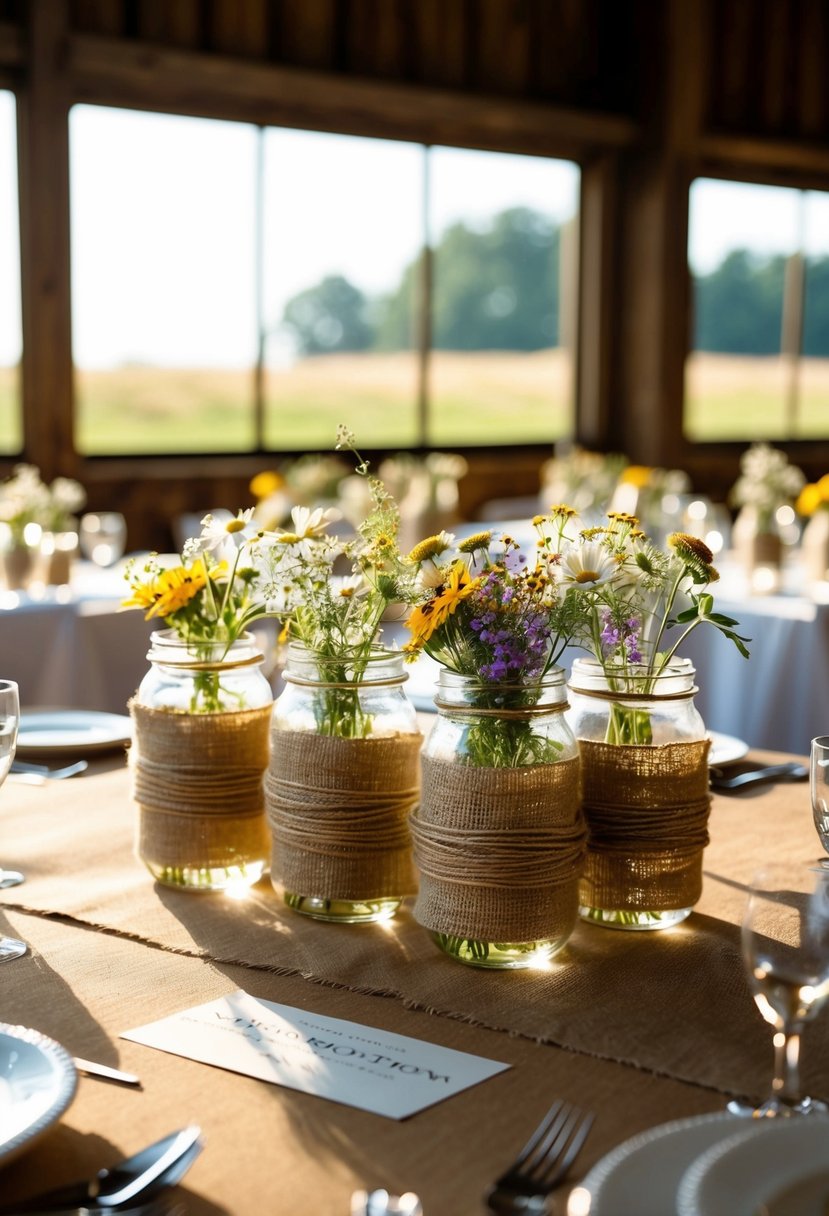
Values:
[(10, 947), (103, 536), (786, 953), (819, 789)]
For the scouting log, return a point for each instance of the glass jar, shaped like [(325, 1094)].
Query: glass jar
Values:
[(343, 778), (202, 719), (499, 836), (644, 754)]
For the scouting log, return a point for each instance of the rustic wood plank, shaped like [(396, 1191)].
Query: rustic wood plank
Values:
[(97, 16), (177, 24), (731, 48), (239, 29), (773, 79), (303, 34), (811, 84), (438, 42), (502, 35), (110, 71)]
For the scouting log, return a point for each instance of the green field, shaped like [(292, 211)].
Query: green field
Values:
[(476, 398)]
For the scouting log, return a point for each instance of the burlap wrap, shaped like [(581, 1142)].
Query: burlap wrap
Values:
[(647, 814), (338, 811), (197, 779), (499, 850)]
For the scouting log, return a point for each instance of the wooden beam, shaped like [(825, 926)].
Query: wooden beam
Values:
[(43, 145), (598, 223), (781, 158), (113, 72)]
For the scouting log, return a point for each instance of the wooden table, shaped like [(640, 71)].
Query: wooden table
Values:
[(640, 1028)]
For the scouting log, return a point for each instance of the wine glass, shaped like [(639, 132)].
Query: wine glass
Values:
[(10, 947), (786, 953), (103, 536), (819, 788)]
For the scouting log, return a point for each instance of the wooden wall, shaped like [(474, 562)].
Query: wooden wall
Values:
[(644, 94)]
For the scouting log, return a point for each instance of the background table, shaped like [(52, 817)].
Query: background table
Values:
[(639, 1027)]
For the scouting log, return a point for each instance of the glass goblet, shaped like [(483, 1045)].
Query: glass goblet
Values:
[(10, 947), (819, 788), (786, 952), (103, 536)]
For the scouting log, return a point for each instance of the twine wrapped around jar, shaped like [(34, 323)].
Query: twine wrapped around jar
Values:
[(197, 779), (499, 850), (338, 810), (647, 812)]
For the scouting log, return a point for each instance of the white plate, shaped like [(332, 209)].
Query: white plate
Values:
[(725, 749), (742, 1175), (642, 1175), (45, 731), (37, 1083)]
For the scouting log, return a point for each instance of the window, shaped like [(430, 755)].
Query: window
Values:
[(238, 288), (759, 367), (11, 339), (163, 223)]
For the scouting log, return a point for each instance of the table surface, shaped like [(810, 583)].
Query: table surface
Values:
[(638, 1027)]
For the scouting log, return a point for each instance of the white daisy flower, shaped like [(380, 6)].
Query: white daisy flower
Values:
[(216, 532), (587, 565)]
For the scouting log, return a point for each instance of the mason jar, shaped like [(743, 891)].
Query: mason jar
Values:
[(201, 719), (342, 781), (499, 836), (644, 754)]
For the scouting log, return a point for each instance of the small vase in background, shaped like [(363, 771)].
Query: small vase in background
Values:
[(644, 755), (202, 719), (18, 560), (342, 781), (56, 557), (814, 548), (758, 547)]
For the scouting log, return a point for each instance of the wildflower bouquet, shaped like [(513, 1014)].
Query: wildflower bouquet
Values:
[(28, 506), (333, 593), (767, 481), (631, 594), (209, 599), (491, 615)]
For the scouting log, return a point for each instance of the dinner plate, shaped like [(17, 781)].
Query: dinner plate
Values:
[(725, 749), (46, 731), (643, 1174), (37, 1083), (756, 1169)]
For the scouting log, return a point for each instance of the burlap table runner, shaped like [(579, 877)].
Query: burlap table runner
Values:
[(499, 850), (676, 1004), (338, 811), (197, 781), (647, 812)]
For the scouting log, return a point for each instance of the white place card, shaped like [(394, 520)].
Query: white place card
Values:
[(376, 1070)]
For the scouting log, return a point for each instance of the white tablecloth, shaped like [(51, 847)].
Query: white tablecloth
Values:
[(74, 647)]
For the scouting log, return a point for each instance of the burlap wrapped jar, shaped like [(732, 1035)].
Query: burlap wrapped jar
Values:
[(342, 780), (499, 836), (201, 720), (644, 755)]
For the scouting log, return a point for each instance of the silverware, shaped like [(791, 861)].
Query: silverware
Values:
[(137, 1178), (91, 1069), (790, 771), (543, 1161), (162, 1205), (22, 768)]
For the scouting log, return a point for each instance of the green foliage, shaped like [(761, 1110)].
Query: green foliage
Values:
[(329, 317)]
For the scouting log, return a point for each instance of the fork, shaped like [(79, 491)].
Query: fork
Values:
[(543, 1161)]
